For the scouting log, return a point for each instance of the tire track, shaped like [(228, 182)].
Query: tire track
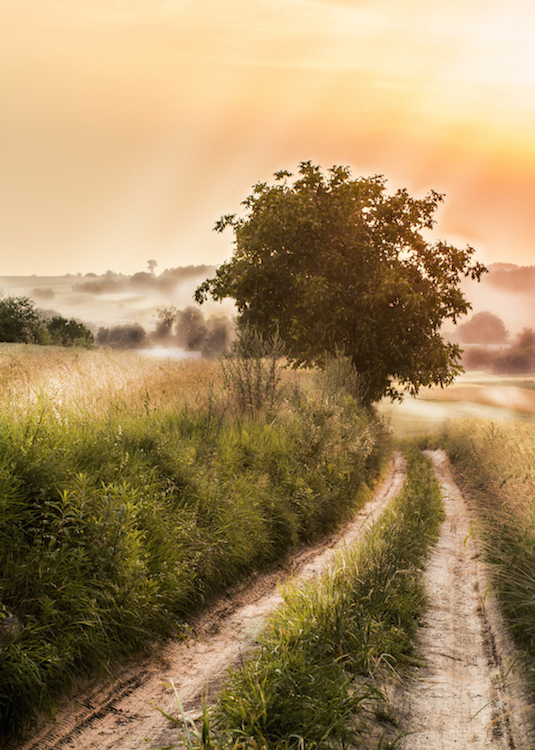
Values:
[(470, 693), (122, 714)]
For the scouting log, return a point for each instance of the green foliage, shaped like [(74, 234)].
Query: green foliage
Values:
[(65, 332), (20, 322), (112, 528), (328, 643), (336, 264)]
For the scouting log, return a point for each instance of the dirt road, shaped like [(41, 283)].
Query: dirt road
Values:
[(122, 715), (469, 694)]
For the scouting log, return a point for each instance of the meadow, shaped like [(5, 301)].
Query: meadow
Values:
[(132, 489), (135, 488)]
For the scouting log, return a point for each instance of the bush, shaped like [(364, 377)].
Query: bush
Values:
[(252, 372)]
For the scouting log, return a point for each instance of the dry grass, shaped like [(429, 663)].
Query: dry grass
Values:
[(80, 381), (473, 396)]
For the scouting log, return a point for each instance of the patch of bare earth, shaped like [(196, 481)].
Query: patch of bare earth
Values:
[(122, 714), (470, 692)]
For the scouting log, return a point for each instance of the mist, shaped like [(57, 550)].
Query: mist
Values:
[(507, 291), (115, 299)]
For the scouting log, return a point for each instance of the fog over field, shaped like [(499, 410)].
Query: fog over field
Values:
[(508, 291), (114, 298)]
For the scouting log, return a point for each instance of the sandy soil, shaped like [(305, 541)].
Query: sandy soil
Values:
[(122, 714), (470, 692)]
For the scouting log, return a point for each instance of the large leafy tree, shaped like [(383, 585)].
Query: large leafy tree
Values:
[(336, 264)]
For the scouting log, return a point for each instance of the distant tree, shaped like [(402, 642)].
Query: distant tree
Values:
[(100, 286), (334, 264), (44, 294), (127, 336), (65, 332), (152, 265), (20, 322), (218, 337), (166, 321), (520, 356), (141, 278), (483, 328), (191, 329), (479, 358)]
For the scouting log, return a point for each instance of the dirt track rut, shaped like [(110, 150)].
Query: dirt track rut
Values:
[(470, 692), (122, 714)]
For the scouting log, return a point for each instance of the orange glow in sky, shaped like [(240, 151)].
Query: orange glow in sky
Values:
[(127, 127)]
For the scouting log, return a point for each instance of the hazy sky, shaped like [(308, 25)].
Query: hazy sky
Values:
[(127, 127)]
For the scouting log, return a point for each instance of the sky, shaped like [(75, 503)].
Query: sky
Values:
[(128, 127)]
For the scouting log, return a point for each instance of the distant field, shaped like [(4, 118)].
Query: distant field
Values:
[(63, 295), (474, 395)]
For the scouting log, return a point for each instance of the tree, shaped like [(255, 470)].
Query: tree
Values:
[(20, 322), (483, 328), (65, 332), (126, 336), (335, 264), (520, 357)]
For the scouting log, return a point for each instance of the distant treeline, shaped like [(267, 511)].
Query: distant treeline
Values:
[(21, 322), (187, 329), (511, 278), (490, 347), (164, 283), (516, 359)]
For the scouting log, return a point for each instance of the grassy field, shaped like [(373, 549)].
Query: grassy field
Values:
[(474, 395), (132, 489)]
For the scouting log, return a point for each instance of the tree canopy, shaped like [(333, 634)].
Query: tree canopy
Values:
[(483, 328), (21, 322), (337, 265)]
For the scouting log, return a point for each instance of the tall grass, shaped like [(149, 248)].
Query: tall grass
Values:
[(497, 463), (117, 520), (322, 658)]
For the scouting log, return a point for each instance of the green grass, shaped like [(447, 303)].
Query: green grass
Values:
[(318, 671), (115, 523)]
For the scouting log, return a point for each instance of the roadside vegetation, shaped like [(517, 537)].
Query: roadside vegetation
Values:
[(131, 490), (497, 463), (316, 680)]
